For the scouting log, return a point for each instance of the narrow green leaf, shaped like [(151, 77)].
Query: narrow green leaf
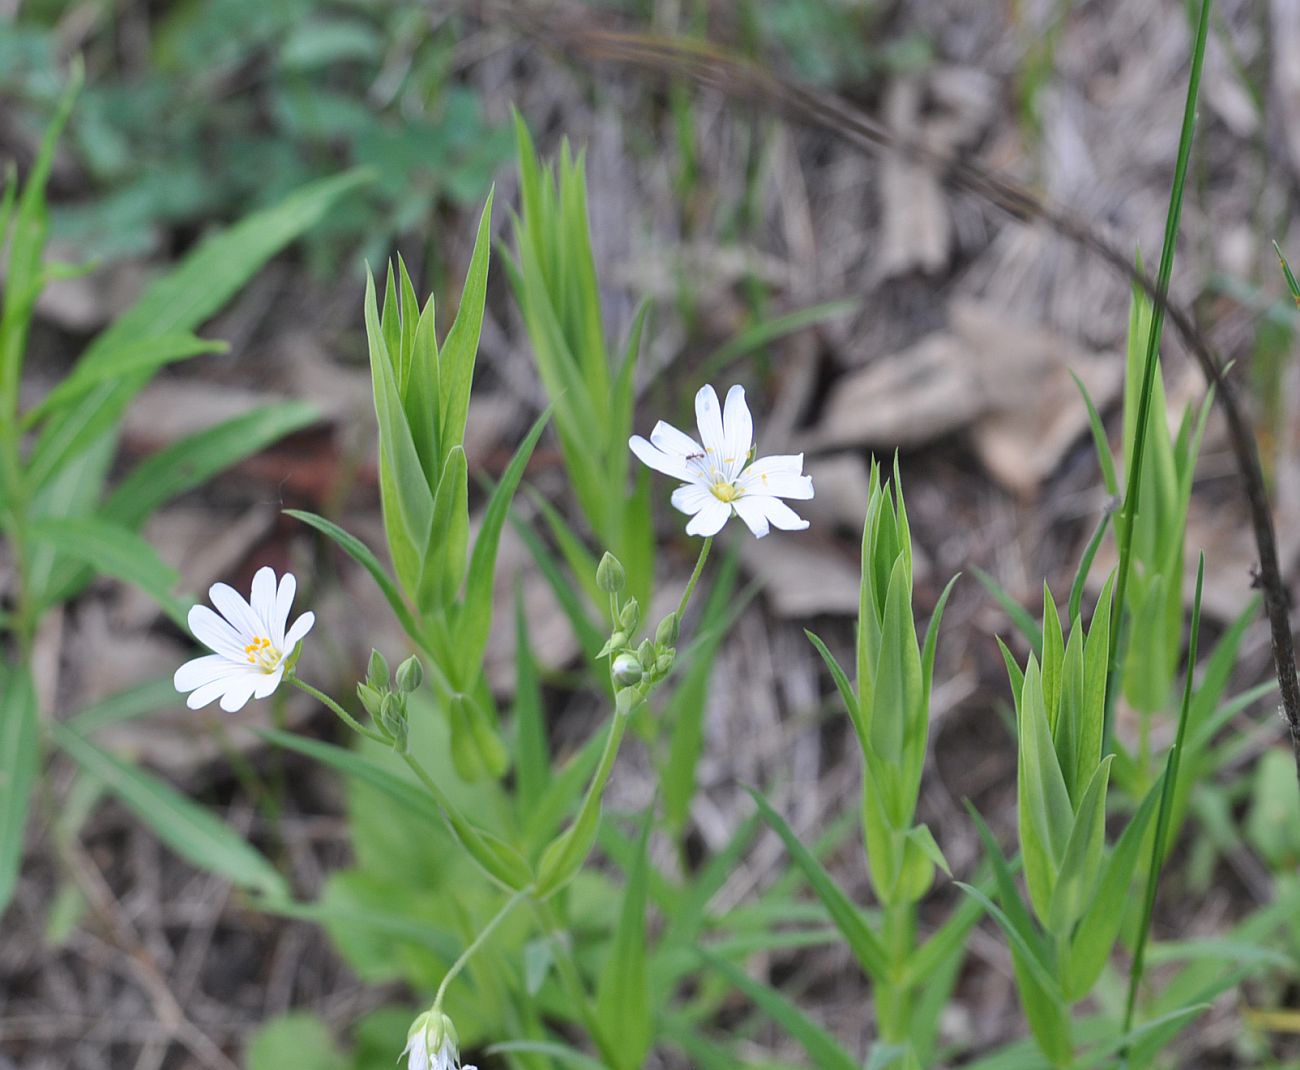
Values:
[(1081, 862), (623, 1004), (20, 758), (677, 775), (495, 857), (1099, 440), (864, 943), (360, 553), (476, 614), (842, 685), (187, 828), (193, 460), (1020, 617), (140, 355), (824, 1051), (532, 748), (115, 551), (181, 301), (138, 701), (460, 348)]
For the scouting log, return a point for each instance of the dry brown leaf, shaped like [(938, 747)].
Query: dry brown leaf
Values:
[(908, 398), (1034, 410), (801, 576), (944, 110)]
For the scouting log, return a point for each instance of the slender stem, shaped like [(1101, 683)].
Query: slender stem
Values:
[(478, 942), (695, 577), (1133, 482), (342, 714), (1166, 805)]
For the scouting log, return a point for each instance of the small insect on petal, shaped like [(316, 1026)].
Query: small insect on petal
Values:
[(723, 478), (248, 640)]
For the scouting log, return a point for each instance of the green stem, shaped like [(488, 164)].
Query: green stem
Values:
[(1133, 482), (695, 577), (339, 711), (478, 942), (894, 999), (1163, 815)]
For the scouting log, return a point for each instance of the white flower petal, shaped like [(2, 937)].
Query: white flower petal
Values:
[(262, 598), (788, 463), (300, 628), (780, 514), (283, 603), (667, 438), (216, 633), (777, 477), (232, 606), (708, 414), (269, 682), (691, 498), (200, 697), (667, 463), (709, 520), (737, 432), (239, 690), (753, 513), (211, 667)]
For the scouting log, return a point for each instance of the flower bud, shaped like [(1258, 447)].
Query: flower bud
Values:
[(626, 701), (610, 576), (377, 671), (630, 616), (664, 662), (645, 654), (626, 670), (432, 1043), (618, 640), (394, 721), (371, 699), (667, 632), (410, 674)]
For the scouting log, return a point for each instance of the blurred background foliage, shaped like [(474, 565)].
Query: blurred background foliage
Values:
[(227, 105)]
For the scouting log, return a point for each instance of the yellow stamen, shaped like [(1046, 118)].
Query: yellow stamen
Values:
[(726, 492), (260, 652)]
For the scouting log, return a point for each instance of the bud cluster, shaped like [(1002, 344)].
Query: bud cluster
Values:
[(634, 667), (384, 697)]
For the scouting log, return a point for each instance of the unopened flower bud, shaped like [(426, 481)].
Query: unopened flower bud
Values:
[(668, 630), (377, 671), (618, 641), (393, 719), (432, 1043), (646, 654), (610, 576), (410, 674), (626, 670), (664, 661), (630, 616), (371, 699)]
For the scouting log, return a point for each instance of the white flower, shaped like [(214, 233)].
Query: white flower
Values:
[(250, 641), (717, 480), (432, 1044)]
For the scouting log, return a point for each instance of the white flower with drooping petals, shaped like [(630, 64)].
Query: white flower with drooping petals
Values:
[(432, 1044), (718, 478), (250, 640)]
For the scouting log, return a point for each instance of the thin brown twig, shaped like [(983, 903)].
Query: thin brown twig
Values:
[(708, 66)]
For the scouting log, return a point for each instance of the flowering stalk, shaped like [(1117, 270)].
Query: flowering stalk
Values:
[(478, 942)]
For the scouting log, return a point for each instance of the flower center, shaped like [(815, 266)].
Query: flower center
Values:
[(262, 654), (726, 492)]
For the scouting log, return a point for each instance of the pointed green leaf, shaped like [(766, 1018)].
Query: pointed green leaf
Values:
[(865, 944), (20, 758), (187, 828)]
